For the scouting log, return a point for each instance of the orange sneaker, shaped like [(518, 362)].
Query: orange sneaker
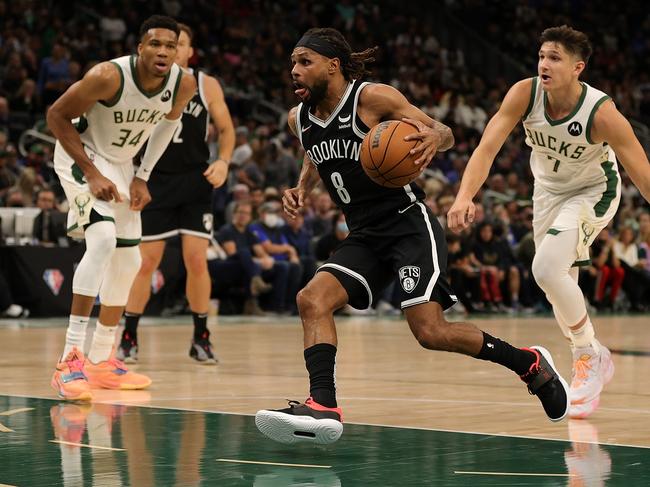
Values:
[(113, 374), (69, 421), (69, 380)]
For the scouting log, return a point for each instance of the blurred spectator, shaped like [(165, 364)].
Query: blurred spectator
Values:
[(610, 273), (8, 307), (54, 75), (50, 223), (636, 280), (326, 244), (246, 259), (300, 239), (320, 221), (268, 230)]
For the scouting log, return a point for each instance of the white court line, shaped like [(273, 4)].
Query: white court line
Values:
[(227, 460), (15, 411), (483, 433), (87, 446), (516, 474)]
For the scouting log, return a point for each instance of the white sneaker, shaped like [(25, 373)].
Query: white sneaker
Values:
[(586, 461), (591, 371)]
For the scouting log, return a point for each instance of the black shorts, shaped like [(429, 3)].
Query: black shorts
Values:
[(410, 247), (180, 204)]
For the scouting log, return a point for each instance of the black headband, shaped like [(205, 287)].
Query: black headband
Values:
[(322, 46)]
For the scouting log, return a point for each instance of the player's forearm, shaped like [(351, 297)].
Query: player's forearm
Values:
[(309, 177), (226, 142), (476, 172), (69, 139), (446, 136), (160, 137)]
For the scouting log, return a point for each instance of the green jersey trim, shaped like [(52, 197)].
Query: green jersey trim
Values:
[(570, 115), (137, 82), (531, 103), (127, 242), (590, 121), (581, 263), (113, 101), (609, 194), (178, 83)]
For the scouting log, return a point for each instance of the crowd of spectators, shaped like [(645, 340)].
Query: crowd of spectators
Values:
[(47, 46)]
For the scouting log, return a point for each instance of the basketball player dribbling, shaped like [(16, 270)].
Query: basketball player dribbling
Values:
[(392, 234), (181, 191), (120, 105), (575, 133)]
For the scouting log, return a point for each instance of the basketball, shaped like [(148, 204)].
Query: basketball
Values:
[(385, 155)]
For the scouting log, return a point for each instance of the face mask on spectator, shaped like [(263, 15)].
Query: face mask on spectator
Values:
[(272, 220), (342, 227)]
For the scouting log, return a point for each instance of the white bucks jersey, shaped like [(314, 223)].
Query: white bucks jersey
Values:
[(118, 128), (564, 157)]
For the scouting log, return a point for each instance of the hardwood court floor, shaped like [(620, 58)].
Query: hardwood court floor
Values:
[(439, 402)]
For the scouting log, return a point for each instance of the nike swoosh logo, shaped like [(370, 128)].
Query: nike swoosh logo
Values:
[(402, 211), (304, 129), (344, 119)]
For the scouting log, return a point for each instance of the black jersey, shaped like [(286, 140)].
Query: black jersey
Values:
[(334, 146), (188, 149)]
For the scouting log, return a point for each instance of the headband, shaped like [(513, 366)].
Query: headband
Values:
[(322, 46)]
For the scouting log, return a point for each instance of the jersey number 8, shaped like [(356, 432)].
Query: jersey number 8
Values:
[(337, 181)]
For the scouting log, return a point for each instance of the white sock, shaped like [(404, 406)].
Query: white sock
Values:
[(76, 334), (585, 336), (102, 345)]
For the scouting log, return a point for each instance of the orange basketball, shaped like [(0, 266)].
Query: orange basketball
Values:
[(385, 154)]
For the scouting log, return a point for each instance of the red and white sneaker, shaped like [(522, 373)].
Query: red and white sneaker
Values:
[(69, 379), (308, 422), (591, 372)]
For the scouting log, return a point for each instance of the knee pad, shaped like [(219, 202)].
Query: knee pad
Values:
[(100, 245), (119, 276)]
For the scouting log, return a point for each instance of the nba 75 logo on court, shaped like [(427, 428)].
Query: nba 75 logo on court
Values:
[(409, 276)]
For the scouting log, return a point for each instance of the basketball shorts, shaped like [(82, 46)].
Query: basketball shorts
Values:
[(82, 202), (588, 211), (409, 248), (181, 203)]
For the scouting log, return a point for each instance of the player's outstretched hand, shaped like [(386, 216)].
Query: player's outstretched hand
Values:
[(292, 200), (429, 142), (103, 188), (460, 215), (139, 194), (216, 173)]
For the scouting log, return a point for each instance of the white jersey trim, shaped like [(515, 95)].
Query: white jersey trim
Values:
[(436, 272), (298, 124), (160, 236), (325, 123), (351, 273), (356, 129), (200, 88)]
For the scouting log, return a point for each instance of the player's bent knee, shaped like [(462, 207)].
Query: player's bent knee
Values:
[(312, 302), (430, 333), (120, 274), (543, 273)]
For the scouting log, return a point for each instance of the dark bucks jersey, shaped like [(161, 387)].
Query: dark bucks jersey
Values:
[(334, 146), (188, 149)]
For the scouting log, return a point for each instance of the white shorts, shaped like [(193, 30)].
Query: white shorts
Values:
[(588, 211), (127, 222)]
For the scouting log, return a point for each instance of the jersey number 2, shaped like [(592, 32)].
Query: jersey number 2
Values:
[(337, 181), (177, 139)]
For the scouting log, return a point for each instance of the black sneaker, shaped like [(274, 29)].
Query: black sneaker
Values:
[(201, 350), (127, 351), (547, 384), (308, 422)]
